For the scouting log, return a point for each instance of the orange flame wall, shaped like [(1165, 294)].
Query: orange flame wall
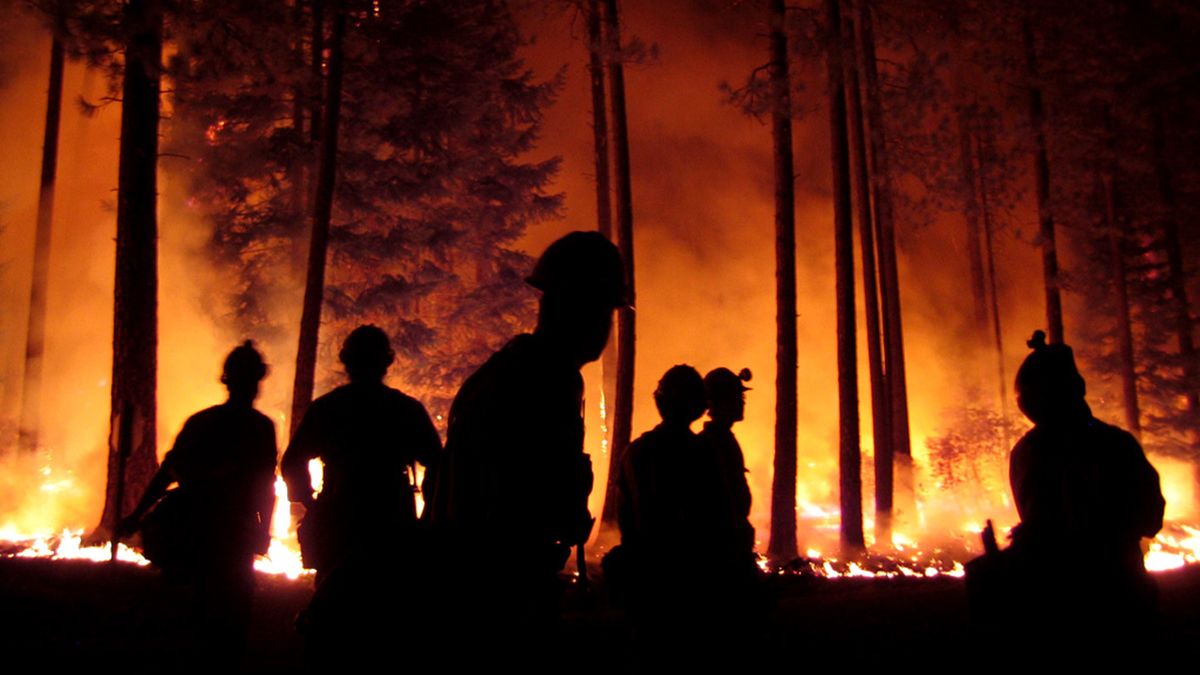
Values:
[(705, 262)]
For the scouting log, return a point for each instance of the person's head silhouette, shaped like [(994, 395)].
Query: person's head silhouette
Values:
[(367, 353), (244, 368), (1049, 386), (680, 396), (582, 281), (726, 393)]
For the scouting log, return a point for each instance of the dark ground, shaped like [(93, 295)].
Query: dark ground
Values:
[(56, 614)]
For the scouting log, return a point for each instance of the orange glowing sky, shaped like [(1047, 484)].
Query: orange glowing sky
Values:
[(703, 217)]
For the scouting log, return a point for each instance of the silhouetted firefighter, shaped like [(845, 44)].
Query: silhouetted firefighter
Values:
[(359, 533), (1086, 496), (673, 499), (510, 495), (208, 529), (726, 393)]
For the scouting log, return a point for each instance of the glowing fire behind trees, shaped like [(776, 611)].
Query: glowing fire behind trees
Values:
[(705, 279)]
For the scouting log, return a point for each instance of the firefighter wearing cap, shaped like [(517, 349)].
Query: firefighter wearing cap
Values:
[(367, 435), (727, 406), (1085, 492), (513, 480), (209, 528)]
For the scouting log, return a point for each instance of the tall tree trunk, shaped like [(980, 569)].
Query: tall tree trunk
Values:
[(622, 408), (1116, 266), (983, 148), (881, 431), (135, 296), (782, 545), (1054, 318), (608, 362), (889, 277), (1177, 282), (849, 456), (35, 337), (296, 168), (314, 288), (969, 185)]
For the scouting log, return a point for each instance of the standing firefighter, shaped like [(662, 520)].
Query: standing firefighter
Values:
[(726, 394), (509, 498), (360, 532), (208, 529), (1086, 496)]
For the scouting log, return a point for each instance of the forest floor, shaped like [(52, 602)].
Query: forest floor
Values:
[(59, 614)]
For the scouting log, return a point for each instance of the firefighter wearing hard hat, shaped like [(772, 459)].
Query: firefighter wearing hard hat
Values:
[(513, 480)]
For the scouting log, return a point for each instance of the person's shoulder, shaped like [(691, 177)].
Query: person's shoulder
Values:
[(1116, 439), (210, 415)]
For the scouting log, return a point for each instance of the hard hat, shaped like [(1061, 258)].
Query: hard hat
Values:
[(244, 364), (583, 265), (723, 382)]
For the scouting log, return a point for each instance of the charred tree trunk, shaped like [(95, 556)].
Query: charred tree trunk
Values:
[(608, 362), (984, 149), (889, 277), (881, 432), (1116, 266), (849, 457), (135, 296), (1177, 281), (314, 288), (1054, 318), (782, 545), (296, 167), (622, 417), (967, 174), (35, 337)]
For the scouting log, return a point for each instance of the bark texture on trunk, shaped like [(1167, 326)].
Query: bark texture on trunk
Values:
[(881, 431), (622, 424), (849, 457), (1116, 266), (608, 361), (782, 545), (969, 187), (35, 336), (889, 276), (135, 296), (1176, 273), (1037, 120), (314, 287), (983, 146)]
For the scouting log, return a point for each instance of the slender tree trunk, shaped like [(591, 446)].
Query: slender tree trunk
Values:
[(135, 297), (1177, 282), (889, 279), (881, 432), (608, 362), (1116, 266), (1054, 318), (849, 456), (314, 288), (296, 168), (984, 149), (969, 180), (782, 545), (316, 70), (35, 339), (626, 336)]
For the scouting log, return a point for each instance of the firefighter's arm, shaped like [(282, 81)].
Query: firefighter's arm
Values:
[(264, 489), (162, 480), (294, 465)]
